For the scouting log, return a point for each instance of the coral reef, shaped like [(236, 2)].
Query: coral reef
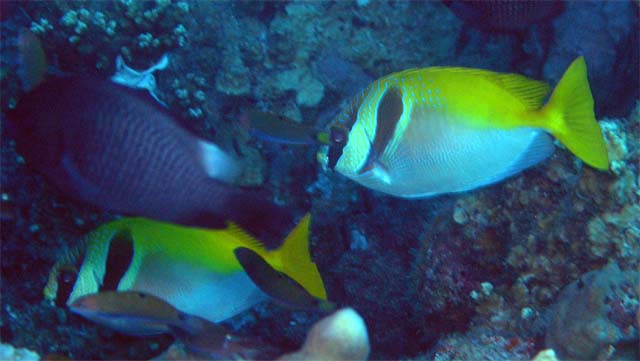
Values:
[(445, 278), (9, 353), (340, 336), (482, 344), (129, 27), (604, 34), (546, 355), (456, 276), (596, 315), (536, 209)]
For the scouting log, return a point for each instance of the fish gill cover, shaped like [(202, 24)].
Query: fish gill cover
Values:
[(473, 275)]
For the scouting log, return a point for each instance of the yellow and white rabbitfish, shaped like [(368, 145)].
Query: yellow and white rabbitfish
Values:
[(193, 269), (423, 132)]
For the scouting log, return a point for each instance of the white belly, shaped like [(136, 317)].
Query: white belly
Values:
[(435, 156), (198, 291)]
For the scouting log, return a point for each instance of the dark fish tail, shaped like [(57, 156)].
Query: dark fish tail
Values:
[(252, 211), (258, 215)]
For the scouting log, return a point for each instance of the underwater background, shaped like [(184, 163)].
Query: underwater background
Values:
[(546, 259)]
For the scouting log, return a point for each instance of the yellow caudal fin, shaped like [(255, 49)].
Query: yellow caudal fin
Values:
[(571, 119), (296, 262)]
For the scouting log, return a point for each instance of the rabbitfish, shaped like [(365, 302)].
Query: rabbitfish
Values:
[(193, 269), (423, 132)]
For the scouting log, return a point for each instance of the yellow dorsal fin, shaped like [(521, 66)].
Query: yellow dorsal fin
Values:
[(245, 238), (296, 260), (530, 92)]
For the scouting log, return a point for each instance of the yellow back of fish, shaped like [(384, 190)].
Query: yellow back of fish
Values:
[(209, 248), (213, 249), (477, 97)]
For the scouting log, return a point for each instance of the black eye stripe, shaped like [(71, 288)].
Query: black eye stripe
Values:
[(70, 264), (345, 121), (335, 149), (66, 280), (118, 260), (390, 109), (338, 135)]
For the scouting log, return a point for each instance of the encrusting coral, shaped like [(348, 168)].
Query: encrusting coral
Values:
[(595, 315), (340, 336)]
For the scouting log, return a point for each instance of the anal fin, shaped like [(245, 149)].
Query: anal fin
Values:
[(88, 190)]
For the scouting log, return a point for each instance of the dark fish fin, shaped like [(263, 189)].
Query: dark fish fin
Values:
[(74, 175), (199, 335), (194, 325), (277, 285), (259, 216), (214, 341), (244, 238), (204, 220)]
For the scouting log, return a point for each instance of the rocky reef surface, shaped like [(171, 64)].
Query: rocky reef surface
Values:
[(487, 273)]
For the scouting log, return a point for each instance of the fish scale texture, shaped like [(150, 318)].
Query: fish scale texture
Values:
[(113, 148)]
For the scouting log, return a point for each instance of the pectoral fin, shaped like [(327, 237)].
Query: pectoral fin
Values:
[(378, 171), (87, 190), (277, 285)]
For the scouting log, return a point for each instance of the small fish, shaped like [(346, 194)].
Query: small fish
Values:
[(193, 269), (142, 314), (424, 132), (132, 313), (503, 15), (280, 129), (115, 148)]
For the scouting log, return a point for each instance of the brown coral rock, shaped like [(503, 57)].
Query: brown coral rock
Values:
[(594, 314)]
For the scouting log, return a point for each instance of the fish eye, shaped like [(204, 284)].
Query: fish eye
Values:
[(66, 280), (68, 276), (338, 135)]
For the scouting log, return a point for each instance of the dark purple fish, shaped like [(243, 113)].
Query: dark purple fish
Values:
[(505, 15), (113, 147), (8, 8)]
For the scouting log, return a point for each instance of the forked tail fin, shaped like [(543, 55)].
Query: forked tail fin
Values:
[(570, 117), (296, 261)]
